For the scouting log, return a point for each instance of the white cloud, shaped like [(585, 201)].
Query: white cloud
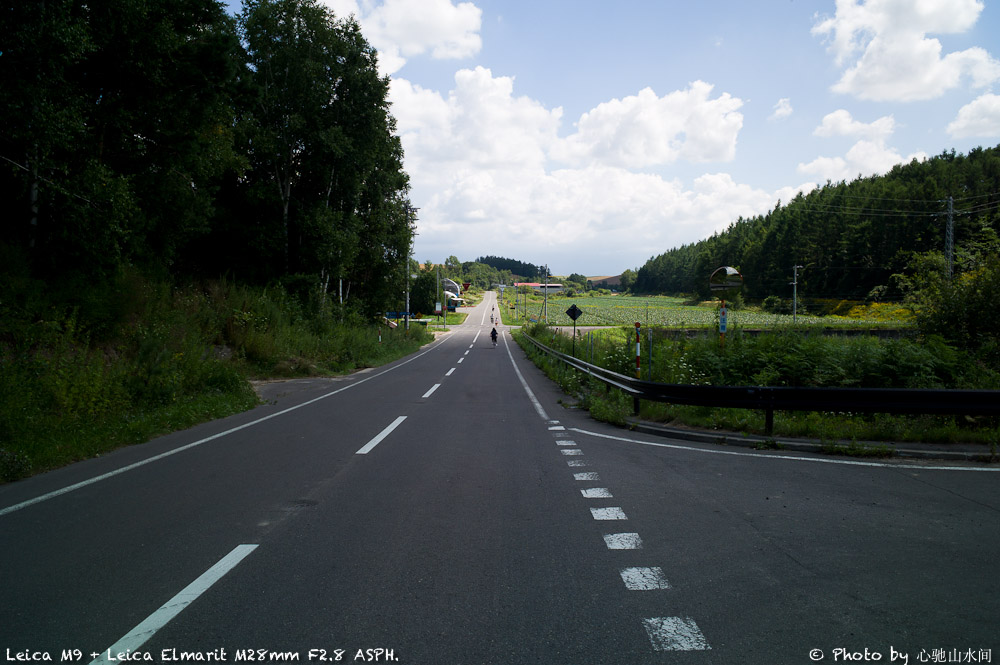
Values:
[(782, 109), (841, 123), (644, 129), (894, 59), (865, 158), (869, 156), (482, 163), (981, 117), (402, 29)]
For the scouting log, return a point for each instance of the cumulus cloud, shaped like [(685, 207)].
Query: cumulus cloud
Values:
[(841, 123), (782, 109), (402, 29), (891, 58), (865, 158), (644, 129), (869, 156), (981, 117), (491, 175)]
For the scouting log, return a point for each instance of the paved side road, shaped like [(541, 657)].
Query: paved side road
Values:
[(448, 509)]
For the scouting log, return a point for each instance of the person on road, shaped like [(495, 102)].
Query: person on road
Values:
[(493, 336)]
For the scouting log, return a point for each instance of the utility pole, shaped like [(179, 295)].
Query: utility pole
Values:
[(795, 293), (949, 236), (545, 297)]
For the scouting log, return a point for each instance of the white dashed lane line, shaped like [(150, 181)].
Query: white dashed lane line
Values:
[(367, 448), (665, 633), (608, 514), (431, 391), (675, 634), (623, 541), (644, 579)]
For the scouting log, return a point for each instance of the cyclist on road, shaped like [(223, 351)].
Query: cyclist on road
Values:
[(493, 336)]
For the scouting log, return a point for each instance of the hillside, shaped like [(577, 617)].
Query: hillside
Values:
[(848, 238)]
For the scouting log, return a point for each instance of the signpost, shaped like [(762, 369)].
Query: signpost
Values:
[(725, 282), (574, 313)]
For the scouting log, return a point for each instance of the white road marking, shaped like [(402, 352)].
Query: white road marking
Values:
[(466, 352), (792, 458), (576, 462), (565, 442), (431, 391), (158, 619), (381, 435), (448, 373), (644, 579), (571, 451), (557, 428), (136, 465), (524, 384), (675, 634), (623, 541), (460, 360), (608, 514), (590, 475), (596, 493)]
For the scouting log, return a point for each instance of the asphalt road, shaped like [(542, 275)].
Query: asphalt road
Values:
[(446, 509)]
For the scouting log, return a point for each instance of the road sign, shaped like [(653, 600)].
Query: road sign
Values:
[(722, 320), (574, 312)]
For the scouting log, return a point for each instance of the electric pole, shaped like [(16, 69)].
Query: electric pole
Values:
[(949, 236), (795, 293)]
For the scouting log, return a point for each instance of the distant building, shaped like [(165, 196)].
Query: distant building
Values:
[(538, 287), (605, 282)]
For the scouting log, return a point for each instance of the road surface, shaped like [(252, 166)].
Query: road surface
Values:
[(446, 509)]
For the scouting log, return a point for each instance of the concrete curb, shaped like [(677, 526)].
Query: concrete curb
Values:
[(953, 452)]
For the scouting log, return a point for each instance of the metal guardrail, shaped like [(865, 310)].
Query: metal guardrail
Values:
[(770, 399)]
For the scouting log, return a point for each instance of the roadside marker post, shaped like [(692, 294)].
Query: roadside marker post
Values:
[(638, 375)]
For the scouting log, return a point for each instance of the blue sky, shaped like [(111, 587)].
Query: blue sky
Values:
[(591, 136)]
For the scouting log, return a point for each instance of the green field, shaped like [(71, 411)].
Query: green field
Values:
[(665, 311)]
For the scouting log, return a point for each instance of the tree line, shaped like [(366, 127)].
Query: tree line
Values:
[(851, 240), (172, 138)]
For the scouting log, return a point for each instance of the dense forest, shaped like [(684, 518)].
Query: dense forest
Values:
[(169, 138), (849, 239), (518, 268)]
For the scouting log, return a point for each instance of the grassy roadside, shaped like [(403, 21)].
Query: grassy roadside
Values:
[(138, 359), (790, 358)]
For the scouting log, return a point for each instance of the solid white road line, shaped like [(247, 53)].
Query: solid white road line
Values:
[(378, 439), (111, 474), (675, 634), (431, 391), (524, 384), (792, 458), (158, 619)]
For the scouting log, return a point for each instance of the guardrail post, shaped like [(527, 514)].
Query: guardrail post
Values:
[(769, 421)]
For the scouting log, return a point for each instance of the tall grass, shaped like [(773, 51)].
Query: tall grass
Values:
[(136, 358), (790, 357)]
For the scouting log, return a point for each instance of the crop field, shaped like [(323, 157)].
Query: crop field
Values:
[(664, 311)]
